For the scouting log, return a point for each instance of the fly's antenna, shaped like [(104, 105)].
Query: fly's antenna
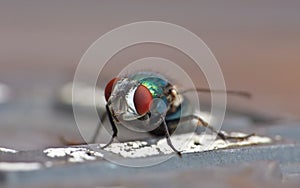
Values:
[(229, 92)]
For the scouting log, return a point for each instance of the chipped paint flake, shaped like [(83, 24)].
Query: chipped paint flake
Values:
[(187, 143), (73, 154), (19, 166), (8, 150), (133, 149)]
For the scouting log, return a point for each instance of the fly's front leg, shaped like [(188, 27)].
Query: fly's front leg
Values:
[(113, 126), (93, 139), (97, 131)]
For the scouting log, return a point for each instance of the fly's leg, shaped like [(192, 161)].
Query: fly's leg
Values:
[(168, 138), (220, 134), (93, 140), (203, 123), (113, 126), (97, 131)]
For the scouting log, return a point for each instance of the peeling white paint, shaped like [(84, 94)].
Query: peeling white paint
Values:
[(133, 149), (19, 166), (222, 144), (187, 143), (73, 154), (8, 150)]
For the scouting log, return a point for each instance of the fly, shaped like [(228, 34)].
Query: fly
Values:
[(130, 99)]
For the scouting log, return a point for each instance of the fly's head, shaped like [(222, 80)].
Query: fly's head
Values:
[(128, 100), (135, 104)]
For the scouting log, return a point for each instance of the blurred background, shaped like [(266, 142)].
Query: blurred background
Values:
[(256, 44)]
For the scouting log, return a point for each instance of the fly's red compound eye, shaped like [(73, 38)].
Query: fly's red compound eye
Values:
[(109, 88), (142, 99)]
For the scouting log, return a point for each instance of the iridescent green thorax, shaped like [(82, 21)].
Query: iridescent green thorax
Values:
[(155, 85), (154, 82)]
